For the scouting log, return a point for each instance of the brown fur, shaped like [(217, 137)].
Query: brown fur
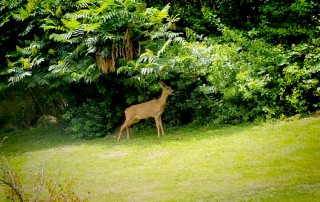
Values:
[(151, 109)]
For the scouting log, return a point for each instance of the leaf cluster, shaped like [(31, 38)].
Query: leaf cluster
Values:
[(80, 41)]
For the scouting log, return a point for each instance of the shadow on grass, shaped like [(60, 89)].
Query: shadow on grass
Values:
[(35, 139), (149, 137)]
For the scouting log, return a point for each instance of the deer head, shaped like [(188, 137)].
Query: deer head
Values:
[(167, 90)]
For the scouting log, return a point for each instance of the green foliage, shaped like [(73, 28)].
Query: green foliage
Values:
[(58, 43), (236, 78), (230, 61), (289, 22), (277, 21), (60, 46), (92, 119)]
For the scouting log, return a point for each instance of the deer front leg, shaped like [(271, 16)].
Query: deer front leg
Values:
[(161, 127), (157, 125)]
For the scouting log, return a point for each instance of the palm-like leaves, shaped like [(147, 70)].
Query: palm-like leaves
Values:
[(74, 39)]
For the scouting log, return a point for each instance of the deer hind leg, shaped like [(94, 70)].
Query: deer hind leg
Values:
[(123, 126), (126, 126), (120, 133), (128, 134)]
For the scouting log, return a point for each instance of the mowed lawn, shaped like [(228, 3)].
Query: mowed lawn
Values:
[(267, 162)]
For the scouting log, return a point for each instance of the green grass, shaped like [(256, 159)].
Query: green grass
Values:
[(268, 162)]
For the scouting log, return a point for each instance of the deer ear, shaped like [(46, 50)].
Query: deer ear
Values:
[(162, 85)]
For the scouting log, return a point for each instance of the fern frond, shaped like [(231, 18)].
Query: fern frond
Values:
[(4, 20), (74, 40), (14, 54), (61, 37), (78, 32), (156, 16), (109, 16), (172, 35), (78, 51), (37, 61), (27, 30), (60, 68), (148, 57), (146, 70), (108, 36), (72, 24), (166, 9), (18, 77), (92, 27), (157, 35), (82, 14), (91, 49), (25, 51), (61, 50), (164, 12), (49, 27), (38, 44), (92, 41), (92, 73), (49, 21), (105, 5), (12, 5), (40, 79), (83, 4), (21, 15), (165, 45), (179, 40)]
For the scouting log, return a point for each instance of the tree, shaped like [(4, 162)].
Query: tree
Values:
[(70, 42), (63, 42), (230, 61), (289, 22)]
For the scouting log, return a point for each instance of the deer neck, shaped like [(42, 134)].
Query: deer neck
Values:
[(163, 99)]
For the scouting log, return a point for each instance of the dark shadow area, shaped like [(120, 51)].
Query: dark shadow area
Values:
[(35, 139)]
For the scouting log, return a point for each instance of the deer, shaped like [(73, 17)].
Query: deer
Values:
[(151, 109)]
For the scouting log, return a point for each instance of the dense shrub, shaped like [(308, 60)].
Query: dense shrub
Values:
[(92, 119), (236, 78)]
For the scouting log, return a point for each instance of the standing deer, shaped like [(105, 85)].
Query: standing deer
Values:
[(153, 108)]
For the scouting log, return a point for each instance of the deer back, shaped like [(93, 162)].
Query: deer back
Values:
[(145, 110)]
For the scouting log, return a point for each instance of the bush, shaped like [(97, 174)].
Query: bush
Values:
[(237, 78), (92, 119)]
